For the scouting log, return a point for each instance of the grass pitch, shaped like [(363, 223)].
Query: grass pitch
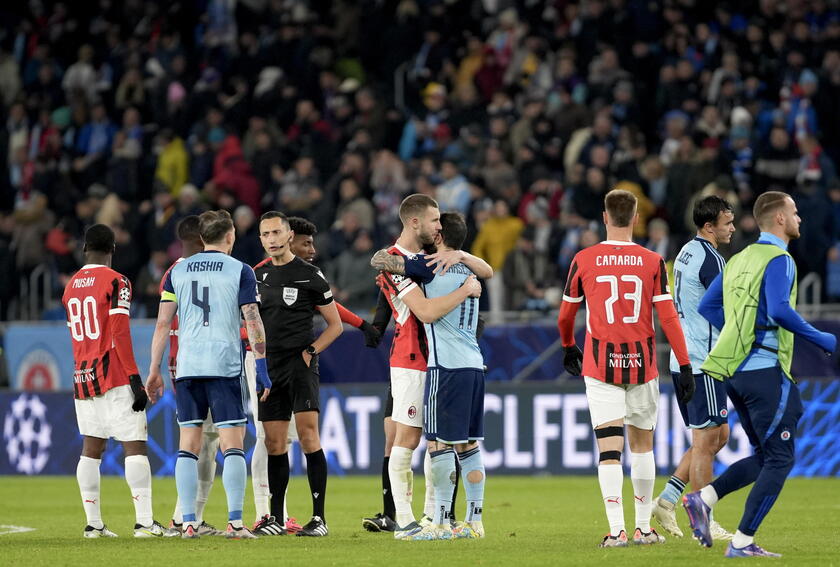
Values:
[(529, 521)]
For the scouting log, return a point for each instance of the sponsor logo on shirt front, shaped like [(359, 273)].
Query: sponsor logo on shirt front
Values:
[(629, 360)]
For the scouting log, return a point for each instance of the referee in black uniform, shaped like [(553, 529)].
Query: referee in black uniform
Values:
[(291, 291)]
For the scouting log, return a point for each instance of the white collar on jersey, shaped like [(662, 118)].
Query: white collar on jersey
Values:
[(89, 266), (619, 242), (405, 252)]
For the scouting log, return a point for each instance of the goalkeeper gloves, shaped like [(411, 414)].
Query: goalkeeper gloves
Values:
[(686, 383), (372, 335), (573, 360), (140, 396), (263, 381)]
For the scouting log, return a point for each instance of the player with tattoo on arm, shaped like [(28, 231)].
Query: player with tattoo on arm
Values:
[(188, 233), (209, 290), (421, 223)]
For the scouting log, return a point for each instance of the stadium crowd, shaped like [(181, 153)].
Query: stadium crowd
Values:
[(520, 115)]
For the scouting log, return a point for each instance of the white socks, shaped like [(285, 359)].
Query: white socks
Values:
[(709, 496), (402, 484), (259, 475), (643, 475), (429, 502), (87, 475), (741, 540), (138, 475), (611, 479), (206, 471)]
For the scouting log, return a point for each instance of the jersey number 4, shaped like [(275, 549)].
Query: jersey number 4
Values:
[(83, 320), (203, 302), (634, 296)]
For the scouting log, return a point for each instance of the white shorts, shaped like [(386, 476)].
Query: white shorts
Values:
[(251, 378), (110, 415), (636, 404), (407, 390)]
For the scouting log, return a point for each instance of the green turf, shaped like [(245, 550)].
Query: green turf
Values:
[(529, 521)]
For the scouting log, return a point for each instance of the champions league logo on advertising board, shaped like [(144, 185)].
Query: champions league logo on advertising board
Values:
[(27, 435)]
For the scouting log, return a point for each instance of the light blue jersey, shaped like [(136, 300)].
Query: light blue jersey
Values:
[(452, 342), (696, 266), (210, 288)]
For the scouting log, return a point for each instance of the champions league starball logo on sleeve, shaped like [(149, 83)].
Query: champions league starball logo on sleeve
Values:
[(27, 434)]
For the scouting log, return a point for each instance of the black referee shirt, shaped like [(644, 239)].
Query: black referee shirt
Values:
[(289, 296)]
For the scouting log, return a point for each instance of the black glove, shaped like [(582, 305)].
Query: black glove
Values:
[(573, 360), (372, 335), (687, 384), (140, 397)]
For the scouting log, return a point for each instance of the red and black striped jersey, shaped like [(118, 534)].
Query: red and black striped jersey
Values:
[(97, 300), (409, 349), (620, 281)]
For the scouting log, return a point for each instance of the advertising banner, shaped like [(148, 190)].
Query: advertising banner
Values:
[(535, 428)]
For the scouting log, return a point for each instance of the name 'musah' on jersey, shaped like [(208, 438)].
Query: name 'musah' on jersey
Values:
[(205, 266), (618, 260)]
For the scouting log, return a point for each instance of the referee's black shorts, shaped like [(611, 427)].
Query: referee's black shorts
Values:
[(294, 386)]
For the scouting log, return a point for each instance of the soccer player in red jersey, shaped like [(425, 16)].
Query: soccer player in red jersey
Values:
[(188, 233), (621, 282), (420, 216), (110, 398)]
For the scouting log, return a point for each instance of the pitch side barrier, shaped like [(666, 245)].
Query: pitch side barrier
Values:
[(531, 428)]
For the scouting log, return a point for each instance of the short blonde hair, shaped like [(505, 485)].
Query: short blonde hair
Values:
[(620, 206), (766, 205)]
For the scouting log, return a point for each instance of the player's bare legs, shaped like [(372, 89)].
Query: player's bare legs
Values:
[(705, 443), (664, 507), (697, 466)]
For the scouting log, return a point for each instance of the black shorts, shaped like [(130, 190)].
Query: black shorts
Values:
[(389, 403), (294, 386)]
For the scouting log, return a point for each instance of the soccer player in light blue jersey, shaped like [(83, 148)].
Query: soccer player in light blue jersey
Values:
[(209, 290), (453, 405), (697, 265)]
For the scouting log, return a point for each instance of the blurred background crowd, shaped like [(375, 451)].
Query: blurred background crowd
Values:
[(518, 114)]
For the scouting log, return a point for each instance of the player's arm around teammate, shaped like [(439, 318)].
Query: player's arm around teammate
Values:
[(430, 310), (440, 262)]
